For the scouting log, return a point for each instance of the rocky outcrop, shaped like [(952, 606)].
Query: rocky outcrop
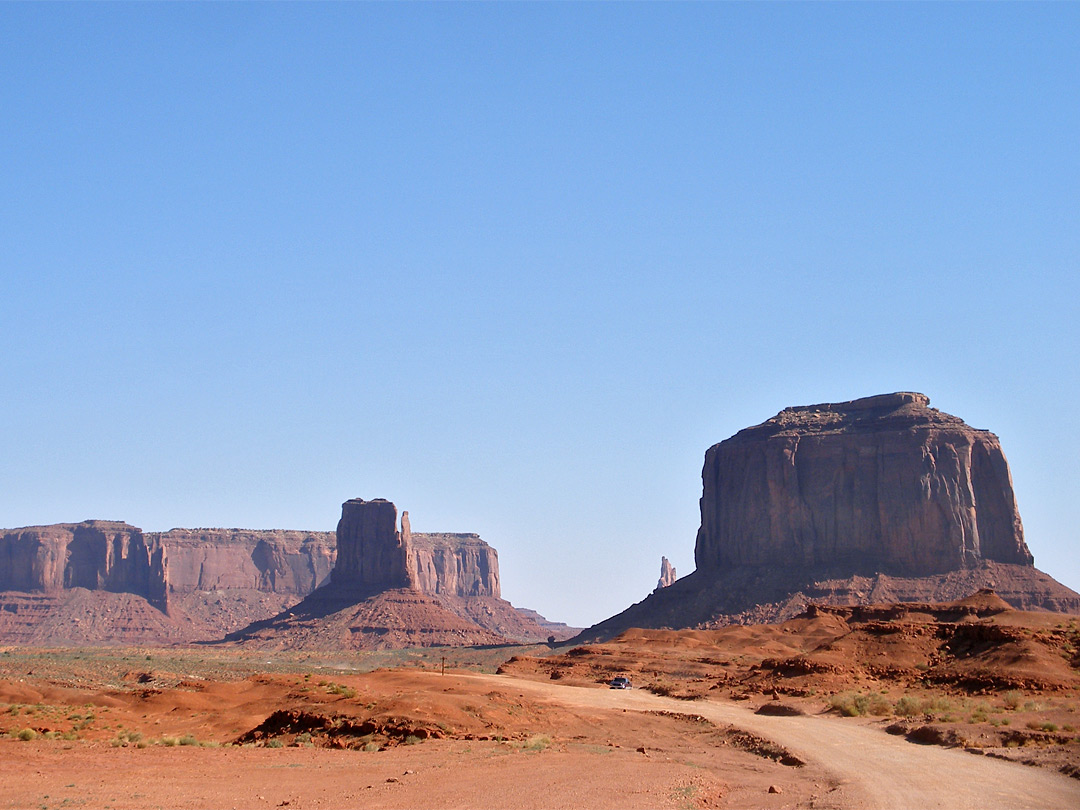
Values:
[(372, 554), (667, 574), (95, 554), (877, 499), (884, 483), (394, 588)]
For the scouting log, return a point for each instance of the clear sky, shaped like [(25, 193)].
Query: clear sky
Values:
[(516, 267)]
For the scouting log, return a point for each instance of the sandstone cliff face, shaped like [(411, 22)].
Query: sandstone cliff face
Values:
[(95, 554), (372, 555), (283, 562), (884, 483), (455, 565)]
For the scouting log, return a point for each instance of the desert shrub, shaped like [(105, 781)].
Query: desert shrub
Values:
[(303, 739), (371, 747), (537, 743), (844, 703), (940, 707), (908, 706), (341, 689), (878, 705), (188, 739), (412, 739), (170, 741), (275, 743), (1012, 699), (851, 704), (27, 734), (1036, 725)]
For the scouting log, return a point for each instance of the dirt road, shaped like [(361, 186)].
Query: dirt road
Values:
[(878, 770)]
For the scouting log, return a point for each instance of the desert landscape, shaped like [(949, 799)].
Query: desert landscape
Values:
[(382, 668), (583, 405), (869, 707)]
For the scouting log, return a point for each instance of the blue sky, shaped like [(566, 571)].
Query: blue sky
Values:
[(516, 267)]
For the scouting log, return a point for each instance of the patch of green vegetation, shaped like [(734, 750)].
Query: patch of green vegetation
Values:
[(275, 743), (537, 742), (27, 734), (853, 704), (908, 706), (340, 689), (1036, 725)]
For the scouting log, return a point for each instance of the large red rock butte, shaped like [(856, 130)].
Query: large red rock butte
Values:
[(885, 483), (388, 589), (876, 499)]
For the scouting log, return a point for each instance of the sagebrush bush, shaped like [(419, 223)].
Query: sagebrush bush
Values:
[(851, 704), (908, 706), (537, 742)]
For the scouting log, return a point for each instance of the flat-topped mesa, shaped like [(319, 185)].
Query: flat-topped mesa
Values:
[(106, 555), (372, 555), (883, 483)]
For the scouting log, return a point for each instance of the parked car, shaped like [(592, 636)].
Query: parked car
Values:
[(620, 683)]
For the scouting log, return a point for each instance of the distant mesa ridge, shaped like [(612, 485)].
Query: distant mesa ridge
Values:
[(881, 498), (206, 583)]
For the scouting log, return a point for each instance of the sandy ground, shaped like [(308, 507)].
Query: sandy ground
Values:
[(878, 770), (599, 748)]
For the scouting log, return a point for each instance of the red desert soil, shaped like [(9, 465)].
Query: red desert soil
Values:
[(744, 711)]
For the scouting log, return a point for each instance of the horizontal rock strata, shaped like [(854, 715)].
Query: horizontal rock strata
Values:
[(212, 582), (872, 500), (884, 483)]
